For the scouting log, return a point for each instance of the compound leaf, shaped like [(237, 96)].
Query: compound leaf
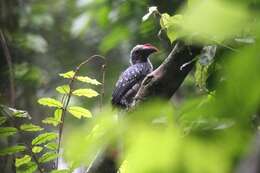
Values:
[(45, 137)]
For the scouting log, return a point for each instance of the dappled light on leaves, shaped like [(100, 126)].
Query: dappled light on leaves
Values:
[(223, 20)]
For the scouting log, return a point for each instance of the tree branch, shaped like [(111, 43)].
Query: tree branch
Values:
[(167, 78), (10, 67), (66, 100)]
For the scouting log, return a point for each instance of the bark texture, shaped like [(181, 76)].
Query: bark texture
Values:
[(167, 78)]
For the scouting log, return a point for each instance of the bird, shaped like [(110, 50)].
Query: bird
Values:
[(130, 79)]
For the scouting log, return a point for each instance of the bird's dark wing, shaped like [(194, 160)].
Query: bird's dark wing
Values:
[(127, 80)]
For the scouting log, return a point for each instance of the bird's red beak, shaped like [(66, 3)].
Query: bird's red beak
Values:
[(150, 47)]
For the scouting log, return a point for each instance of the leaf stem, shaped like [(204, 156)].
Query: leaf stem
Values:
[(102, 90), (66, 100)]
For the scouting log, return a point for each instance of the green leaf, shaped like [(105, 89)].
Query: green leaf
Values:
[(48, 157), (29, 167), (56, 120), (58, 114), (87, 79), (21, 161), (165, 20), (79, 112), (68, 74), (171, 24), (7, 131), (30, 128), (51, 120), (84, 79), (2, 120), (37, 149), (64, 89), (85, 92), (50, 102), (12, 150), (45, 137), (223, 20), (52, 146)]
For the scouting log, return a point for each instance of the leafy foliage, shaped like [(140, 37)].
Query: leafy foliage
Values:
[(21, 161), (51, 146), (89, 80), (30, 128), (68, 74), (2, 120), (62, 107), (46, 157), (50, 102), (229, 20), (85, 92), (37, 149), (7, 131), (194, 26), (43, 138), (79, 112), (172, 25), (64, 89), (27, 168), (12, 150), (51, 120), (85, 79)]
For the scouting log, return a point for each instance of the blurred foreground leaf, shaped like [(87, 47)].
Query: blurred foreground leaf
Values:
[(85, 92)]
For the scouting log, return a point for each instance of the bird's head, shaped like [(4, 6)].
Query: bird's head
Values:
[(141, 52)]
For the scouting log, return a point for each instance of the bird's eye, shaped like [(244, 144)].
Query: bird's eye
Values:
[(137, 51)]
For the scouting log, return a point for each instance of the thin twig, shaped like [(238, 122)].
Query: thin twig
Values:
[(10, 67), (102, 92), (93, 161), (188, 63), (67, 99)]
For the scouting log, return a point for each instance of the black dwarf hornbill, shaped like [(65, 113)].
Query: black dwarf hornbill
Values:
[(130, 80)]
